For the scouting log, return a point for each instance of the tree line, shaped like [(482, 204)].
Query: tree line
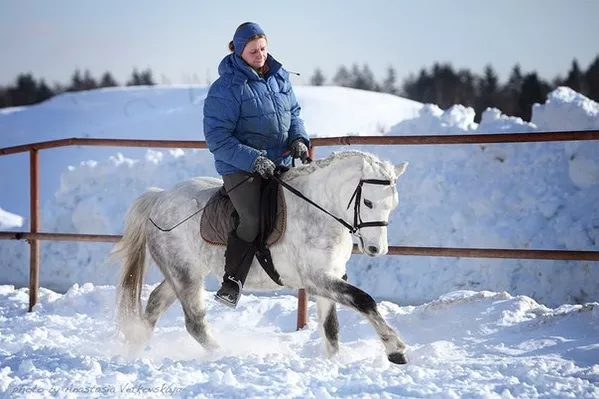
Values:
[(27, 90), (441, 84), (444, 85)]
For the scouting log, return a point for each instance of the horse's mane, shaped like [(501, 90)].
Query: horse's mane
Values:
[(373, 160)]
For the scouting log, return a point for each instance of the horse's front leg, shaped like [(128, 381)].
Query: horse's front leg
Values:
[(346, 294), (328, 324), (191, 295)]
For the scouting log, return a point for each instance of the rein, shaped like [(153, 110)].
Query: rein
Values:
[(302, 196), (356, 197)]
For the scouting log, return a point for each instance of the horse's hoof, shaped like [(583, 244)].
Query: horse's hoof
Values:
[(398, 358)]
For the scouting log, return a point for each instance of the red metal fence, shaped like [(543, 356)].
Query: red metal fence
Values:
[(34, 236)]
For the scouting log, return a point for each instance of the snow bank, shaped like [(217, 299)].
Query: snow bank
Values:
[(537, 195), (566, 109), (458, 119), (9, 220)]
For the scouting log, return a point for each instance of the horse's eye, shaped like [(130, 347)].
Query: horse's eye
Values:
[(368, 203)]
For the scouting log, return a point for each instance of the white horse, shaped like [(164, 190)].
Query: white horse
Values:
[(356, 187)]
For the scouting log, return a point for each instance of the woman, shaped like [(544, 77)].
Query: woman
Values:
[(252, 125)]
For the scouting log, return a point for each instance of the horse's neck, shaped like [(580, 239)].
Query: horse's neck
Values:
[(330, 187)]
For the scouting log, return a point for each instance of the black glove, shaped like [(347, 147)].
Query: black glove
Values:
[(299, 150), (264, 166)]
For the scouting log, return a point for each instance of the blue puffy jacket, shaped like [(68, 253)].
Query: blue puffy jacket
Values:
[(246, 116)]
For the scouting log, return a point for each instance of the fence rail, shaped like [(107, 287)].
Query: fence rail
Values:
[(34, 236), (495, 138), (539, 254)]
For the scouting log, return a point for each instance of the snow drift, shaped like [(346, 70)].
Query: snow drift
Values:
[(537, 195)]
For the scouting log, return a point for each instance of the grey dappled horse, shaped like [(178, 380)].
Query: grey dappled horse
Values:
[(312, 254)]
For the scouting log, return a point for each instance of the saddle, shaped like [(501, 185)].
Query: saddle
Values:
[(220, 218)]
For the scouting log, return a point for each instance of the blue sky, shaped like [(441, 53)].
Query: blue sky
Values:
[(184, 38)]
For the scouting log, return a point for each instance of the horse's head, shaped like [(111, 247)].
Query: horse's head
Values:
[(372, 202)]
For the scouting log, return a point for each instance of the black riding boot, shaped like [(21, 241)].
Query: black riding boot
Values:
[(238, 259)]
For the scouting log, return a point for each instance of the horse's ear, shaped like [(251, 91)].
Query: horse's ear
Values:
[(400, 168)]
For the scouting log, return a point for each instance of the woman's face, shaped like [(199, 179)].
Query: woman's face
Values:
[(255, 53)]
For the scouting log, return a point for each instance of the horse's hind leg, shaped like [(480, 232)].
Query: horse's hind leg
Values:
[(328, 324), (348, 295), (191, 295), (159, 301)]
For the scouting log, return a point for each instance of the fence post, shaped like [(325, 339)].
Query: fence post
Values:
[(34, 244), (302, 309), (302, 297)]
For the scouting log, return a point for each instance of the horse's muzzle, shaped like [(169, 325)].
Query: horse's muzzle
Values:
[(371, 250)]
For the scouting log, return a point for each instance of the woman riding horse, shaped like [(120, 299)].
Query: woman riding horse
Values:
[(252, 125)]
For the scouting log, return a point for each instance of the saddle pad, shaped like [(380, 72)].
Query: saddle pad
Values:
[(219, 219)]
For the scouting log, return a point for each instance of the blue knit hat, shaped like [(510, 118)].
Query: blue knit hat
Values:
[(243, 34)]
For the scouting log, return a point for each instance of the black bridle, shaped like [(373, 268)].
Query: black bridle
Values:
[(355, 198)]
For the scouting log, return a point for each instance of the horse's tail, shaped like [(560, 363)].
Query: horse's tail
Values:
[(131, 249)]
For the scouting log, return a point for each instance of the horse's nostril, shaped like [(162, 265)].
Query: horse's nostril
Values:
[(372, 249)]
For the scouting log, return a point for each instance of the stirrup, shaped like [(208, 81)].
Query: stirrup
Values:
[(226, 299)]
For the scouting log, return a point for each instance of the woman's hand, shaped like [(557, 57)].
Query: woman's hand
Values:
[(299, 150), (264, 166)]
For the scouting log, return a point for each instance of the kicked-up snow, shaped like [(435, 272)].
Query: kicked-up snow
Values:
[(464, 344)]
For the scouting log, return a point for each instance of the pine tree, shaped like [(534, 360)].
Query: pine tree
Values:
[(147, 78), (533, 91), (318, 78), (5, 99), (488, 90), (88, 83), (43, 91), (389, 83), (144, 78), (467, 91), (107, 80), (591, 79), (362, 78), (418, 88), (510, 94), (135, 79), (444, 85), (574, 78), (76, 81), (342, 77), (357, 80), (25, 91)]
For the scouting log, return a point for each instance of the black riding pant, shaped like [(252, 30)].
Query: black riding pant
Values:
[(245, 197)]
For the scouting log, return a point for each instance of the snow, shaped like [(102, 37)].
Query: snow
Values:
[(9, 220), (474, 327), (464, 344)]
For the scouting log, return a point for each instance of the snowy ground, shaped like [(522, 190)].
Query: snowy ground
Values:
[(465, 344), (474, 327)]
